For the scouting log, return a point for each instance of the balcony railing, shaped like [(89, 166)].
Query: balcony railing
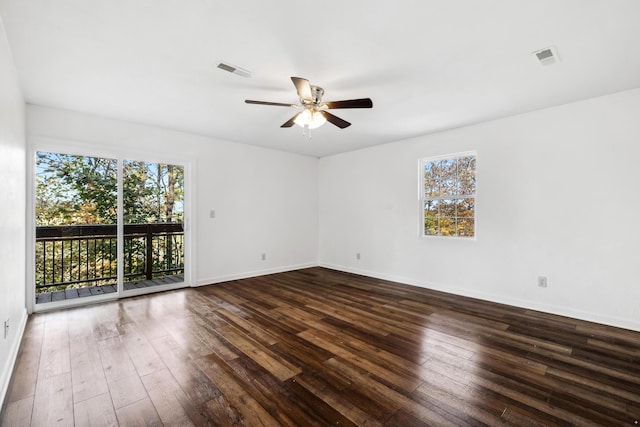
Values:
[(86, 255)]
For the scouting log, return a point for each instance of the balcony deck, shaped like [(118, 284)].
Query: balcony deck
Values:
[(88, 291), (84, 257)]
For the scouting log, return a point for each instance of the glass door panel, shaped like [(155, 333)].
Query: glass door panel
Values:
[(76, 232), (153, 212)]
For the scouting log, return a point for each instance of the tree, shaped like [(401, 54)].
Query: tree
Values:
[(73, 189)]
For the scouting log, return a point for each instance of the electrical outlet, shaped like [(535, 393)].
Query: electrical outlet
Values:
[(542, 281), (264, 256), (358, 255), (6, 329)]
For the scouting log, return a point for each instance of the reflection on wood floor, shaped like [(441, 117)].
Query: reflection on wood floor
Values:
[(317, 347)]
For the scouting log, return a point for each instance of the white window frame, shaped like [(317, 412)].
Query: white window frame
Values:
[(422, 198)]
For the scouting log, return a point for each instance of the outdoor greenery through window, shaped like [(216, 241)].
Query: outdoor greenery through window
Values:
[(153, 196), (76, 223), (449, 195)]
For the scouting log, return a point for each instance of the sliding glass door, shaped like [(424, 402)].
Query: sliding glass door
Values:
[(76, 236), (81, 252), (153, 199)]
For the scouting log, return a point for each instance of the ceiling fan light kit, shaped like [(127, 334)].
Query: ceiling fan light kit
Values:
[(310, 119), (314, 112)]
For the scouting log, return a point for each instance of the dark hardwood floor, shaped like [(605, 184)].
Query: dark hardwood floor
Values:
[(317, 347)]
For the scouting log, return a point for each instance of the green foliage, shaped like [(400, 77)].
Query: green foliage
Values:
[(153, 192), (73, 189)]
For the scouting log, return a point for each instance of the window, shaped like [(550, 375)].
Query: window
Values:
[(448, 195)]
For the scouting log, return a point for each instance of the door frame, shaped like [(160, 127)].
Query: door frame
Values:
[(79, 148)]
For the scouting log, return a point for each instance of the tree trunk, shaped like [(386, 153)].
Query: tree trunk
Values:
[(170, 195)]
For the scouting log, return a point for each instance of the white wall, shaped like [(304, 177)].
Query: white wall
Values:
[(558, 196), (12, 221), (265, 201)]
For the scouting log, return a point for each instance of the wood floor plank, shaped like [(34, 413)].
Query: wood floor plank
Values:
[(386, 393), (23, 384), (207, 332), (480, 406), (356, 414), (247, 326), (278, 397), (373, 328), (53, 402), (530, 395), (184, 332), (318, 347), (310, 358), (123, 380), (142, 353), (185, 370), (55, 358), (405, 383), (276, 365), (168, 398), (140, 413), (220, 412), (87, 372), (617, 391), (317, 410), (126, 390), (116, 362), (249, 410), (86, 369), (17, 413), (96, 411)]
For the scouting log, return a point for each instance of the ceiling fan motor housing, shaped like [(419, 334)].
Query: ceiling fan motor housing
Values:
[(316, 95)]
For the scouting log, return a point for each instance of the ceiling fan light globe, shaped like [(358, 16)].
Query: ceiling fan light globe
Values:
[(310, 119)]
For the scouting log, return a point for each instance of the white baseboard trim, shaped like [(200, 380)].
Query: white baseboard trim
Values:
[(618, 322), (249, 274), (7, 370)]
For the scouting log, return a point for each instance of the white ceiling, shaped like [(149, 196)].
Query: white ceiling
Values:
[(427, 65)]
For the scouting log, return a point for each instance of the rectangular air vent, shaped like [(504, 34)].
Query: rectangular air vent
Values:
[(235, 70), (547, 56)]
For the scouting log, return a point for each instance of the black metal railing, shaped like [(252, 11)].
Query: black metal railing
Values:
[(86, 255)]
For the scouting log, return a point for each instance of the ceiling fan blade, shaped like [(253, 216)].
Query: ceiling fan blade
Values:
[(335, 120), (351, 103), (290, 122), (278, 104), (303, 87)]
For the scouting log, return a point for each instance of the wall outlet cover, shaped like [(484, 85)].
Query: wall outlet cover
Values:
[(542, 281)]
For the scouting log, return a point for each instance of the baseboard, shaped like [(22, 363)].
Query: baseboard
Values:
[(618, 322), (7, 370), (256, 273)]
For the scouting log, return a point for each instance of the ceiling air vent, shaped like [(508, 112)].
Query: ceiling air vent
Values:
[(235, 70), (547, 56)]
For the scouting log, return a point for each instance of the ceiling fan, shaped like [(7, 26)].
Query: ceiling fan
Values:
[(314, 113)]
